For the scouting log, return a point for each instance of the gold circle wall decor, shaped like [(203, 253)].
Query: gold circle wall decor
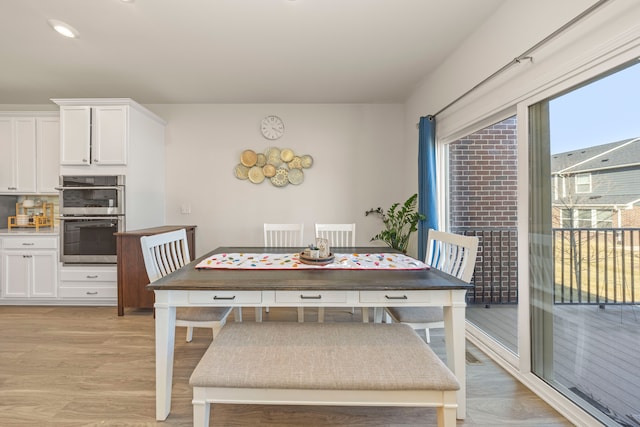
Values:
[(248, 158), (280, 166)]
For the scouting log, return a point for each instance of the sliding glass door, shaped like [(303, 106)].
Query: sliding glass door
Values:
[(482, 202), (584, 244)]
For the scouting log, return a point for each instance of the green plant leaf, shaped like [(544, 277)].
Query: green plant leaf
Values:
[(399, 224)]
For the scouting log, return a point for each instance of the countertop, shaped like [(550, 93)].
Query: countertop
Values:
[(18, 231)]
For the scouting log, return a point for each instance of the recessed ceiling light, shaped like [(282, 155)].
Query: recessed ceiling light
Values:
[(63, 28)]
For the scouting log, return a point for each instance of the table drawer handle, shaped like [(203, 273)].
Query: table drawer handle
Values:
[(402, 297), (27, 243), (310, 296), (92, 292), (92, 277), (215, 297)]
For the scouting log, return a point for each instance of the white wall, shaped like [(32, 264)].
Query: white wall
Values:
[(514, 28), (358, 165)]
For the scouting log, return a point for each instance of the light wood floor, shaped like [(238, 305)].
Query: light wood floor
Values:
[(85, 366), (596, 352)]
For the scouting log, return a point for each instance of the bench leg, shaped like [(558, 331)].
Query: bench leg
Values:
[(201, 409), (446, 416), (447, 412)]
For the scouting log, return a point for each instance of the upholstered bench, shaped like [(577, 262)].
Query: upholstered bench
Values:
[(347, 364)]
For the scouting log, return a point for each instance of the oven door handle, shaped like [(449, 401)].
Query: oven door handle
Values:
[(108, 187), (70, 217)]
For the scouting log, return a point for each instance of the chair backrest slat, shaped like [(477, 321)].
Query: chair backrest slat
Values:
[(452, 253), (339, 235), (165, 253), (283, 235)]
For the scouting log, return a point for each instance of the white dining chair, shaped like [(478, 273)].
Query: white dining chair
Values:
[(454, 254), (279, 236), (165, 253), (339, 236), (283, 235)]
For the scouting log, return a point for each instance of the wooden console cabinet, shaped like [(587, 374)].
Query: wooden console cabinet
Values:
[(132, 274)]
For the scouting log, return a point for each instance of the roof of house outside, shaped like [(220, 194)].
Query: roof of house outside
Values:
[(614, 157), (618, 154)]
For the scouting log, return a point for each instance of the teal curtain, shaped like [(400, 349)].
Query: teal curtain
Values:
[(427, 196)]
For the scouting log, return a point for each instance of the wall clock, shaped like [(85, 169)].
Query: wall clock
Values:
[(272, 127)]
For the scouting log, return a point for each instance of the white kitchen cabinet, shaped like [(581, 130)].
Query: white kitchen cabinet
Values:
[(47, 154), (29, 267), (117, 136), (94, 135), (29, 148), (18, 159), (89, 285)]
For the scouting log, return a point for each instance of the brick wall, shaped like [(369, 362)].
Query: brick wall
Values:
[(483, 177), (483, 202)]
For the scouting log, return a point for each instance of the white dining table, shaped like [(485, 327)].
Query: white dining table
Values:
[(191, 287)]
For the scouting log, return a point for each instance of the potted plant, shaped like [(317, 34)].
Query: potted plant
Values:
[(400, 221)]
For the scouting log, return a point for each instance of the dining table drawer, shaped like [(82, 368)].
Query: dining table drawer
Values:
[(399, 297), (311, 296), (225, 297)]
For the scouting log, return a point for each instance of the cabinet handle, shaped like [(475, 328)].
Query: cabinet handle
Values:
[(215, 297), (402, 297), (95, 160), (310, 296), (12, 188), (92, 292), (92, 277), (28, 243), (27, 256)]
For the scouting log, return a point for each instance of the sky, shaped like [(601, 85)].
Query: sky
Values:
[(607, 110)]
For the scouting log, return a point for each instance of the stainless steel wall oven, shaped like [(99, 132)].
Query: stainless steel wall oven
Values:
[(91, 211)]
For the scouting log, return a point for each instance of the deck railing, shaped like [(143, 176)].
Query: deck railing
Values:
[(597, 266), (591, 266)]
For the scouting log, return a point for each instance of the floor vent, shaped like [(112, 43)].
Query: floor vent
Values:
[(471, 359)]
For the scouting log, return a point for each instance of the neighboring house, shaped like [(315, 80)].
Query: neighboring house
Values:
[(597, 187)]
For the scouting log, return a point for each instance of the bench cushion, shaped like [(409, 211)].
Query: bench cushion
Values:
[(329, 356)]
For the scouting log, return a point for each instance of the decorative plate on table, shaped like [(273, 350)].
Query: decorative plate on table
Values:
[(316, 261)]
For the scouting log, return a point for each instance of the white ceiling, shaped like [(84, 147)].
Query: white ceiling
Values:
[(229, 51)]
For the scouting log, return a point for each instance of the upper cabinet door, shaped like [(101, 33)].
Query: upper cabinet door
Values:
[(110, 135), (25, 140), (75, 134), (48, 152), (8, 157), (18, 158)]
